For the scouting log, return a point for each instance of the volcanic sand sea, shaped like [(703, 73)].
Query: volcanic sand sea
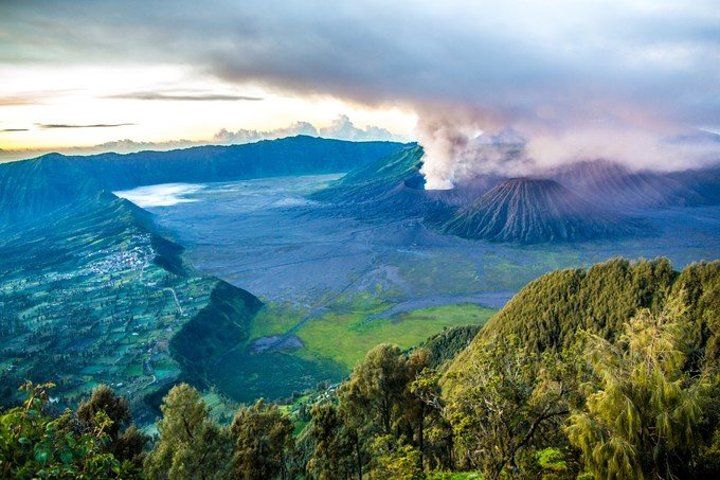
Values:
[(263, 235)]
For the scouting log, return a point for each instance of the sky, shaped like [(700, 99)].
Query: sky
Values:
[(573, 79)]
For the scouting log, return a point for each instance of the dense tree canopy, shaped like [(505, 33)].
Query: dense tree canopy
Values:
[(34, 444), (606, 374), (190, 445), (263, 439), (642, 419)]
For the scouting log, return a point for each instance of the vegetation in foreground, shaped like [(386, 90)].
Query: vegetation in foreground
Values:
[(609, 373)]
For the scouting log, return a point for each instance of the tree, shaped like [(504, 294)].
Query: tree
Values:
[(434, 432), (263, 437), (642, 420), (125, 441), (513, 401), (103, 399), (190, 444), (332, 456), (394, 460), (36, 445), (373, 399), (377, 388)]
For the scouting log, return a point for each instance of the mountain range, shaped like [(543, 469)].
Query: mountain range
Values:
[(32, 187), (582, 201)]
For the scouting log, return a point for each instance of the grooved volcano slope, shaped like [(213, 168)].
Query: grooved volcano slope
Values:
[(532, 211)]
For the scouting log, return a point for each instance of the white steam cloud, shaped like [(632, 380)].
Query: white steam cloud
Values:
[(461, 148)]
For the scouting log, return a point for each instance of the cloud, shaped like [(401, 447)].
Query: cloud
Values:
[(16, 100), (185, 97), (30, 98), (14, 130), (251, 135), (574, 78), (341, 128), (91, 125)]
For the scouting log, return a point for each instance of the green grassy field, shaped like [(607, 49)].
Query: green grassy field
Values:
[(330, 344), (345, 336), (275, 319)]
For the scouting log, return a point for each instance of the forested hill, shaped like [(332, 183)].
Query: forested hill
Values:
[(549, 312), (610, 371), (34, 186)]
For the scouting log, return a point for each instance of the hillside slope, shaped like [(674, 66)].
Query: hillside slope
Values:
[(95, 295), (389, 187), (548, 313), (622, 189)]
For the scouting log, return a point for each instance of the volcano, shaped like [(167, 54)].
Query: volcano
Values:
[(531, 210)]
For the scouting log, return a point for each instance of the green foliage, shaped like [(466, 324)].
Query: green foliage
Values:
[(606, 374), (434, 433), (551, 310), (380, 427), (642, 421), (375, 393), (698, 290), (124, 441), (190, 444), (514, 401), (392, 459), (35, 445), (548, 324), (263, 440), (554, 465), (334, 454), (218, 328), (444, 346), (454, 476)]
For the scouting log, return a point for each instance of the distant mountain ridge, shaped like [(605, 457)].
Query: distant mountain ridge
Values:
[(620, 188), (34, 186)]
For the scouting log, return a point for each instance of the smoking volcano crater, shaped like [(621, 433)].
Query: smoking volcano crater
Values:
[(534, 210)]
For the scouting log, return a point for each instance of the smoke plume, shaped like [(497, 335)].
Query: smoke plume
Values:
[(459, 148)]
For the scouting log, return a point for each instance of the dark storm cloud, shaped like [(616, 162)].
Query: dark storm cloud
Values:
[(91, 125), (184, 97), (510, 57)]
